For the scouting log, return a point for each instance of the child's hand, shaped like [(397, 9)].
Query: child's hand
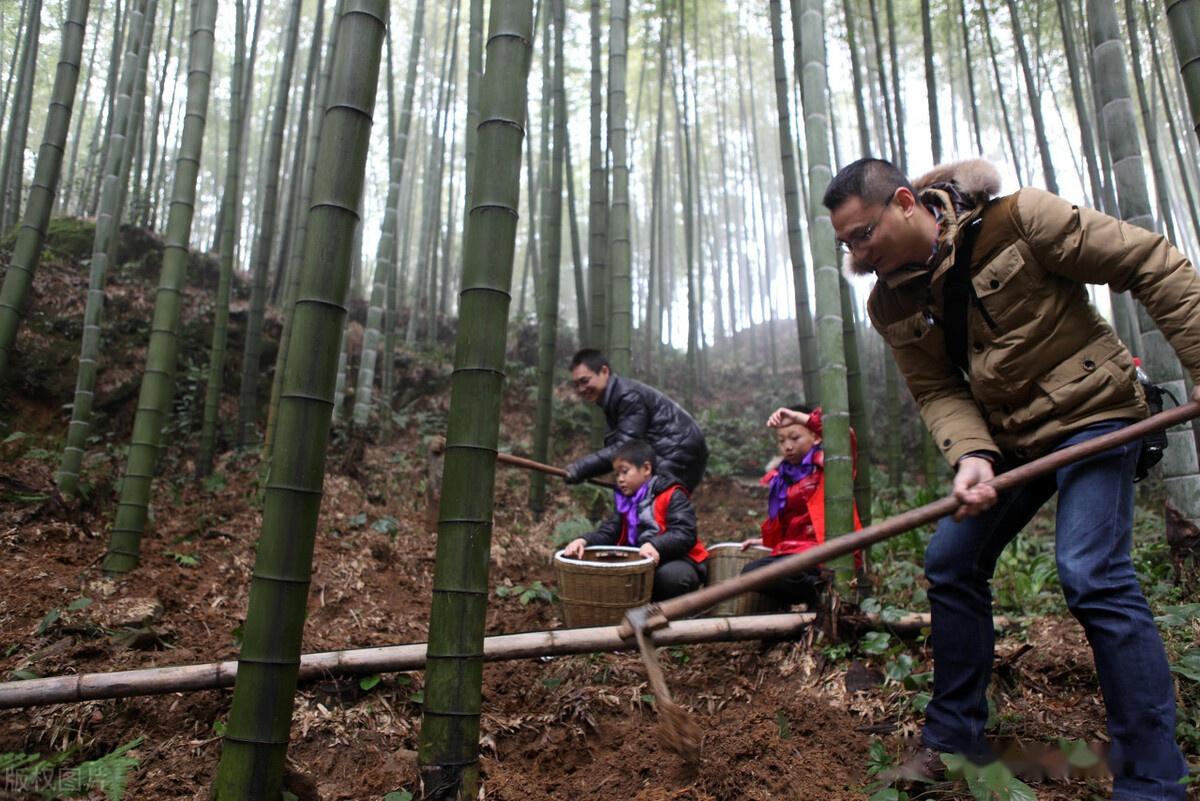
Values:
[(650, 552), (752, 542), (574, 549), (783, 416)]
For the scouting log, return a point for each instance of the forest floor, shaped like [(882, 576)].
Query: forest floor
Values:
[(807, 719)]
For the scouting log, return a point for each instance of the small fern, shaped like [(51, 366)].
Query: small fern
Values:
[(108, 774)]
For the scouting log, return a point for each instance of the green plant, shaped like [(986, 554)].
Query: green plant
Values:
[(991, 782), (534, 592), (570, 529), (184, 559)]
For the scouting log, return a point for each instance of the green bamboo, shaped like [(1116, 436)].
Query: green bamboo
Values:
[(255, 742), (1001, 99), (1082, 113), (449, 743), (296, 217), (1149, 125), (265, 235), (791, 201), (976, 128), (839, 493), (620, 335), (931, 83), (156, 390), (288, 242), (1180, 468), (897, 96), (12, 172), (597, 200), (106, 230), (32, 235), (1183, 18), (894, 446), (229, 222), (133, 134), (688, 179), (551, 263), (1035, 105), (856, 388), (1169, 112), (69, 187)]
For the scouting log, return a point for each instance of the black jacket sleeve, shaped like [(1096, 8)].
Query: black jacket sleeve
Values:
[(608, 533), (680, 536), (632, 422)]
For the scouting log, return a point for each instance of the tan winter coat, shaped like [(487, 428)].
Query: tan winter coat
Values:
[(1045, 364)]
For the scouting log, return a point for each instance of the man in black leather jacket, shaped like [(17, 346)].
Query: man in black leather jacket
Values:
[(636, 411)]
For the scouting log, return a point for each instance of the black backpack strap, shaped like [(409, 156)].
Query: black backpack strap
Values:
[(957, 293)]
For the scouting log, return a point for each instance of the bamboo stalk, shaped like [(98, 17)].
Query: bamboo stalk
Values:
[(529, 464), (847, 543), (407, 657)]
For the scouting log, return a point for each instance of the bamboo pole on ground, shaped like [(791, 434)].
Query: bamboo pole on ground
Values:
[(411, 656)]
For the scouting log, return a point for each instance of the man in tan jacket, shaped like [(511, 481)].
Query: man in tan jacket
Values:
[(983, 304)]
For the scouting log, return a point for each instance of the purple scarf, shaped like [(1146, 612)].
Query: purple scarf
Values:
[(628, 505), (786, 475)]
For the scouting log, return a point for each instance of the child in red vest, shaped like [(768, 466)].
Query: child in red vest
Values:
[(796, 504), (654, 515)]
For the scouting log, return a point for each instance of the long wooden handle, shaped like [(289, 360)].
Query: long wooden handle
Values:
[(708, 596), (529, 464)]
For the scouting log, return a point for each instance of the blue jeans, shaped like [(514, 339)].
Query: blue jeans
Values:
[(1093, 536)]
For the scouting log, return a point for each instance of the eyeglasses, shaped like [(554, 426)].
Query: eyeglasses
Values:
[(864, 236)]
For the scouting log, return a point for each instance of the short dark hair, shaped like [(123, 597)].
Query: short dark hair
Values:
[(873, 180), (637, 453), (590, 357)]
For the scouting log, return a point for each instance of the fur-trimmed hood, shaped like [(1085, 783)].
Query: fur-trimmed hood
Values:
[(956, 188)]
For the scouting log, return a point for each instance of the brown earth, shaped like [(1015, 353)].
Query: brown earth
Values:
[(778, 719)]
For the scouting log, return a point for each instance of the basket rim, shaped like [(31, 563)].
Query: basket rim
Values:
[(639, 562)]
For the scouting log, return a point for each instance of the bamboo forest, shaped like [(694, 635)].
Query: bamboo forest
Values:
[(562, 399)]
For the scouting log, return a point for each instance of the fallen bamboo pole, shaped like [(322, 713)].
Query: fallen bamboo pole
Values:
[(550, 470), (390, 659)]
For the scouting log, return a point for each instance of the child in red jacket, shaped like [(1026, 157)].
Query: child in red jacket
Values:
[(796, 504), (655, 515)]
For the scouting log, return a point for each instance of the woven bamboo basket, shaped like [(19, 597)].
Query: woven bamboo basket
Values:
[(725, 561), (597, 589)]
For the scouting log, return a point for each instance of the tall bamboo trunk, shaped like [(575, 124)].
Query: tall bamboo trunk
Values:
[(229, 221), (1186, 167), (449, 743), (1179, 469), (621, 311), (1001, 99), (897, 93), (12, 169), (255, 743), (839, 496), (102, 244), (688, 177), (931, 82), (791, 201), (27, 249), (1149, 125), (161, 355), (1035, 105), (552, 250), (1083, 114), (265, 235), (1183, 17), (295, 218), (69, 190)]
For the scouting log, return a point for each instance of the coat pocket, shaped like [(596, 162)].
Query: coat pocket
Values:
[(908, 330), (1004, 285)]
